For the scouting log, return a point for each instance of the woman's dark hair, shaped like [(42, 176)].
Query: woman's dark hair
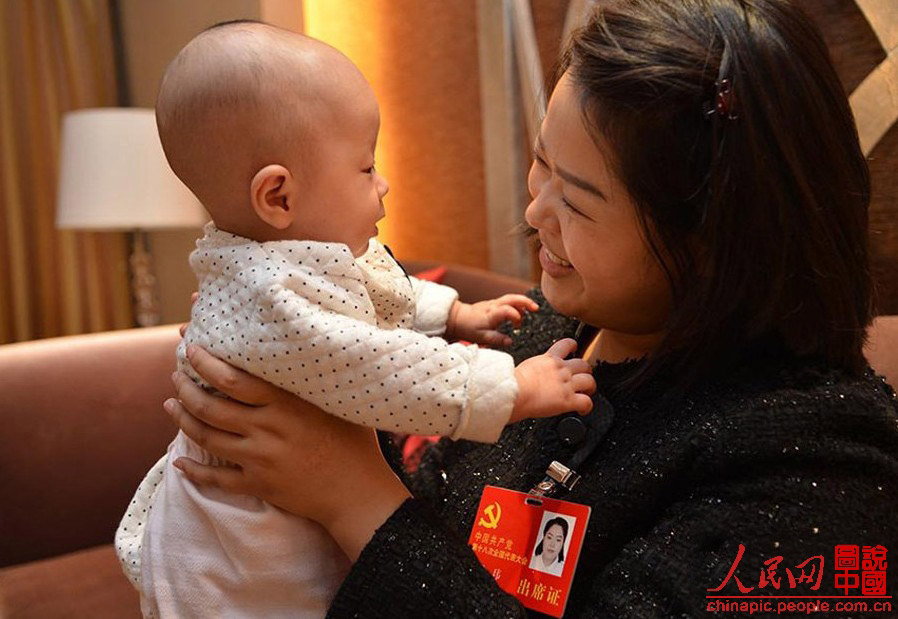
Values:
[(729, 127), (561, 522)]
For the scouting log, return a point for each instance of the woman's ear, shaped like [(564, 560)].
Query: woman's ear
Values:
[(271, 195)]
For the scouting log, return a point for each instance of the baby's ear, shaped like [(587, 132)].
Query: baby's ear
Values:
[(270, 192)]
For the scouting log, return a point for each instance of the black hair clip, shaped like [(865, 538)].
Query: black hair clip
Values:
[(723, 102)]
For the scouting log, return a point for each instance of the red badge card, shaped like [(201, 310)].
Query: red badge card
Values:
[(530, 545)]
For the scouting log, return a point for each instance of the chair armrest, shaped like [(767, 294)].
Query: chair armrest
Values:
[(82, 423), (472, 284)]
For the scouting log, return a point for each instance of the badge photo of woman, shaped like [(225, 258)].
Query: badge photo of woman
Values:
[(548, 556)]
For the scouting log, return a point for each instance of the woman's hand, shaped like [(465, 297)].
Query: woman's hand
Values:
[(285, 451)]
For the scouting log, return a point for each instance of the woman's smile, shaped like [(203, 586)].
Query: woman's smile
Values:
[(597, 266), (552, 264)]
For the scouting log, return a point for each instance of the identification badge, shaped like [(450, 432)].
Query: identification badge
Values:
[(530, 544)]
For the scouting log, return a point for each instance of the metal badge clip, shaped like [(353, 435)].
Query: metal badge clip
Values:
[(557, 474), (563, 475)]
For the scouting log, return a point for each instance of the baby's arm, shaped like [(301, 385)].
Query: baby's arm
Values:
[(433, 304), (548, 384), (396, 380)]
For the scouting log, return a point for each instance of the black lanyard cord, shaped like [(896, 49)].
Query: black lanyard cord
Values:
[(560, 475)]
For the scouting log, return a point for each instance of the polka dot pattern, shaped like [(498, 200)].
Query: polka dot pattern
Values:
[(129, 535), (312, 319), (388, 288)]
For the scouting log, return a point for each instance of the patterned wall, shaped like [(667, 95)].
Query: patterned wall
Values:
[(857, 51)]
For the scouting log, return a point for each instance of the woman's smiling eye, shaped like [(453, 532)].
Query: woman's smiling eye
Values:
[(570, 206)]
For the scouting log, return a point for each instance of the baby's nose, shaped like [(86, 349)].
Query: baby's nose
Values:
[(383, 187)]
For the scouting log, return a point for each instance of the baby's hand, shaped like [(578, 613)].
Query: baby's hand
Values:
[(551, 384), (477, 322)]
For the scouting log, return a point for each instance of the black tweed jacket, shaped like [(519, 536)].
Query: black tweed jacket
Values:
[(783, 458)]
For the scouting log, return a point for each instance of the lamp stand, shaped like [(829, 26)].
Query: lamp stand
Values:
[(143, 282)]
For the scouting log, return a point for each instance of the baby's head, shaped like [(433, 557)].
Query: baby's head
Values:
[(275, 133)]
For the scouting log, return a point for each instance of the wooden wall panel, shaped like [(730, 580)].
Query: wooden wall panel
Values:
[(421, 58), (884, 221), (853, 46), (548, 15)]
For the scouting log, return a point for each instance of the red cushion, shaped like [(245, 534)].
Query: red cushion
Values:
[(436, 274)]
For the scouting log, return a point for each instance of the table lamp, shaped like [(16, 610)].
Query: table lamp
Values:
[(113, 176)]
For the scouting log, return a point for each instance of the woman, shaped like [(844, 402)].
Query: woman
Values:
[(548, 556), (701, 198)]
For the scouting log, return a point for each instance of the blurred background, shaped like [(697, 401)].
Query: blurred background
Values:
[(457, 84)]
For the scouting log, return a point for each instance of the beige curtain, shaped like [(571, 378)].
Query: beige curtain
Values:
[(55, 56)]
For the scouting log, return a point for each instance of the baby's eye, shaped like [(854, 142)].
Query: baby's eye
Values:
[(370, 170)]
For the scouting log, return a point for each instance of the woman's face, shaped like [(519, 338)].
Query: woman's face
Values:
[(553, 543), (596, 264)]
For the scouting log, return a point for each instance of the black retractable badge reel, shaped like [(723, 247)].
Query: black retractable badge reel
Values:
[(575, 430)]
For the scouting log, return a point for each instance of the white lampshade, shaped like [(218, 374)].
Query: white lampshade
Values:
[(113, 175)]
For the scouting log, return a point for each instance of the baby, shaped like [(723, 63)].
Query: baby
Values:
[(275, 134)]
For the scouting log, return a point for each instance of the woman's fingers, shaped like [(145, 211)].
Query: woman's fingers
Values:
[(562, 348), (231, 381), (229, 479), (220, 413), (223, 444)]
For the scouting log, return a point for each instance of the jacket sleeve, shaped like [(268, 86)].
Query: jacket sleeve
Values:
[(416, 566), (432, 305), (395, 380)]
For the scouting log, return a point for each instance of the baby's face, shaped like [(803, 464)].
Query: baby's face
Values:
[(343, 193)]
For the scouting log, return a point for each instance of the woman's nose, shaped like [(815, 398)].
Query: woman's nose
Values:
[(530, 214), (538, 213)]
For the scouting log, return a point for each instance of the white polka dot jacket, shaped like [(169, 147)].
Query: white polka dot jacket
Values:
[(355, 336), (784, 457), (349, 335)]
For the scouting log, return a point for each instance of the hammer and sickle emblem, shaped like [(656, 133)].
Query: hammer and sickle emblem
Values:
[(493, 512)]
